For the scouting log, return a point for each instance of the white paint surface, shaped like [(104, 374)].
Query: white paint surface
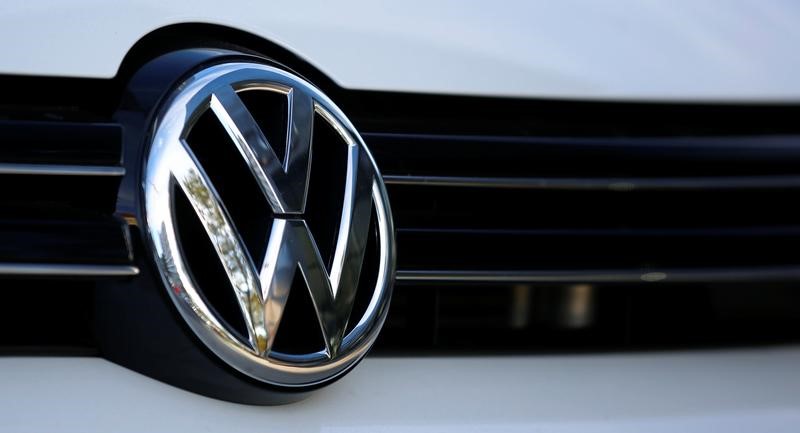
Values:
[(750, 390), (713, 50)]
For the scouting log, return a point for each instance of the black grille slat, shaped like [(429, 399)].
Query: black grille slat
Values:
[(419, 206), (51, 196), (497, 156), (589, 249), (87, 241), (60, 143)]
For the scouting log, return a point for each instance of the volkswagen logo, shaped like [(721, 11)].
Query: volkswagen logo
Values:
[(262, 278)]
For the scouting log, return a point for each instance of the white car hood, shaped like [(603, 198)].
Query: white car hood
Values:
[(664, 50)]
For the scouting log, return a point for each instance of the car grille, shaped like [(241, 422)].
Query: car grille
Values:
[(521, 226), (58, 231), (608, 226), (616, 210)]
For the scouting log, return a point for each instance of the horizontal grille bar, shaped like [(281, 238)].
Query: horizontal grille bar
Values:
[(705, 275), (61, 170), (609, 184), (741, 233), (66, 270)]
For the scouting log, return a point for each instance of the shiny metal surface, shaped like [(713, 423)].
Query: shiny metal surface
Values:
[(594, 184), (284, 183), (742, 274), (61, 170), (67, 270), (262, 284)]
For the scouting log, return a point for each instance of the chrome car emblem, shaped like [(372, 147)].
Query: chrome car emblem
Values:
[(262, 284)]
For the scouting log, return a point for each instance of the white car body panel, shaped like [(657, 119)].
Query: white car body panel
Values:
[(730, 391), (684, 50)]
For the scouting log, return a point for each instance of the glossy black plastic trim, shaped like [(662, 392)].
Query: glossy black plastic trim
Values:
[(608, 157), (93, 241), (60, 143)]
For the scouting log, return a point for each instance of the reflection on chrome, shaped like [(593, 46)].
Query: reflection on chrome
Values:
[(229, 247)]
